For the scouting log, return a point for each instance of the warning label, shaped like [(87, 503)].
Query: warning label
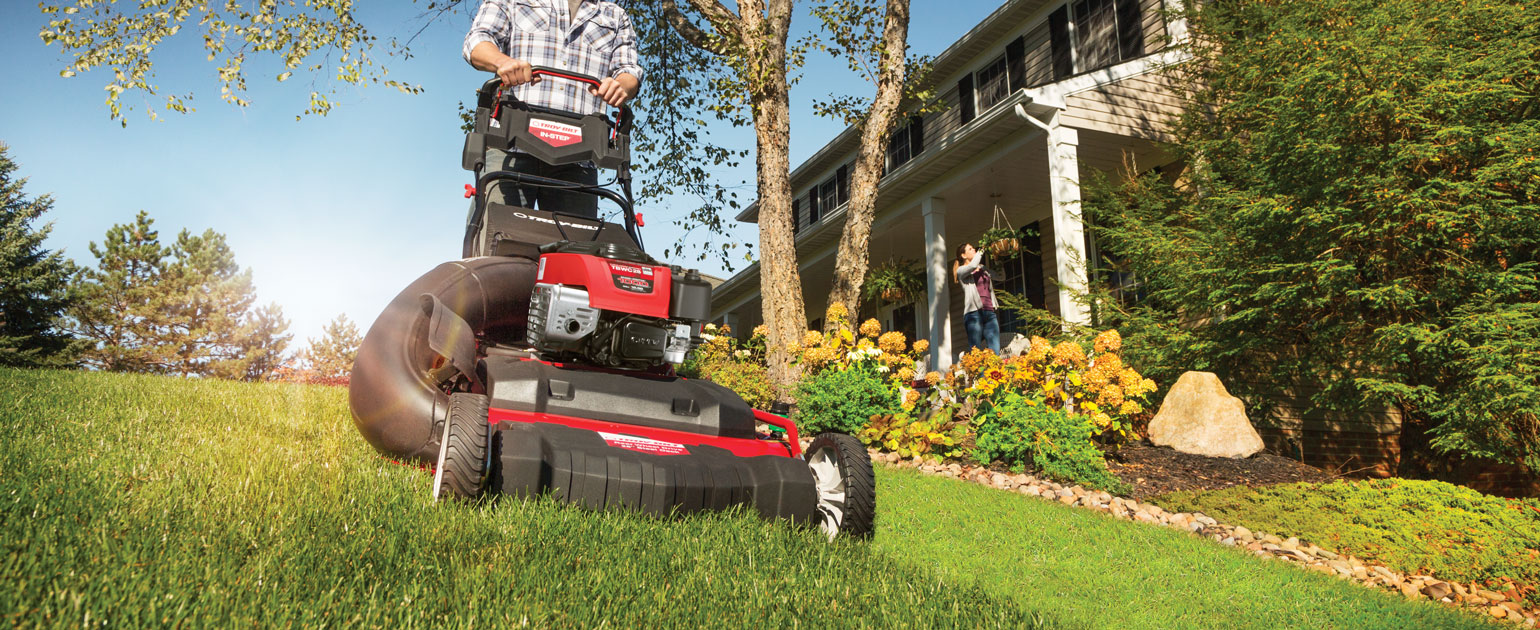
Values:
[(554, 133), (644, 445)]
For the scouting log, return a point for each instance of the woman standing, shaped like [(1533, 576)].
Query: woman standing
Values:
[(978, 298)]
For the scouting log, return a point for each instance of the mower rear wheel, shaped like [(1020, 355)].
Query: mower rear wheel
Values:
[(847, 488), (462, 450)]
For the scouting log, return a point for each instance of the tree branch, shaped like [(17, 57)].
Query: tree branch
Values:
[(721, 18)]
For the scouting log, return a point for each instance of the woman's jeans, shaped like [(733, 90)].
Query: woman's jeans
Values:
[(983, 329)]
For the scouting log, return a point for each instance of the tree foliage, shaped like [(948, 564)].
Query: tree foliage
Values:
[(33, 280), (123, 38), (332, 355), (1360, 216), (187, 309)]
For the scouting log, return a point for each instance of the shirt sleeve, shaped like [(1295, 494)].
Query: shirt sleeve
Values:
[(491, 24), (625, 58), (968, 268)]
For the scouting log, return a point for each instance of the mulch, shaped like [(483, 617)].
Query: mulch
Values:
[(1156, 470)]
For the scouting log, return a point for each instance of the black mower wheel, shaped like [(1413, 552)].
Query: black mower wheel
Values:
[(847, 488), (462, 450)]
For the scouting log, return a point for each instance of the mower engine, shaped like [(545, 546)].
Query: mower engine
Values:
[(614, 306)]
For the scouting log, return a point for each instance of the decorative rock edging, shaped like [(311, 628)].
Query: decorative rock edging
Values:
[(1499, 605)]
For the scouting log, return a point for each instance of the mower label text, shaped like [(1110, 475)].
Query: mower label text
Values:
[(632, 278), (554, 133), (643, 445)]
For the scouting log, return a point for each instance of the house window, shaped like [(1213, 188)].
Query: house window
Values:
[(1088, 35), (898, 148), (843, 178), (902, 319), (828, 196), (796, 211), (993, 85), (1023, 277)]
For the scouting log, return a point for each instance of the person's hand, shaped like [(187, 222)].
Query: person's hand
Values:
[(611, 91), (516, 72)]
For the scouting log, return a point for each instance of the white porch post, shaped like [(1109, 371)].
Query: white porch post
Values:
[(1069, 255), (938, 306)]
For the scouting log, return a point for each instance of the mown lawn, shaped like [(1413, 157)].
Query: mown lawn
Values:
[(133, 501), (1410, 526)]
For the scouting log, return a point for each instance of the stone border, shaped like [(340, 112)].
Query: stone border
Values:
[(1290, 550)]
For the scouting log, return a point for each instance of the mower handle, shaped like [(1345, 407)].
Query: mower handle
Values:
[(622, 120)]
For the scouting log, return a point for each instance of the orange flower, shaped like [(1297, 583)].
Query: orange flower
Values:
[(892, 342), (1109, 341), (871, 328), (1039, 349), (932, 378), (921, 346), (1068, 353)]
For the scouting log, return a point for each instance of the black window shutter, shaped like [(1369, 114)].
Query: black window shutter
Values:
[(812, 207), (796, 209), (965, 97), (1016, 62), (1130, 29), (1058, 41), (843, 179), (916, 136)]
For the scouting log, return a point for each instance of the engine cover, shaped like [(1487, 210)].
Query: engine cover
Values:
[(615, 310)]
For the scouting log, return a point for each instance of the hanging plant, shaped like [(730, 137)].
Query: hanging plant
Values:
[(1001, 240), (894, 281)]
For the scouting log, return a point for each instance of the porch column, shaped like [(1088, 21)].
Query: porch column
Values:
[(1069, 255), (938, 305), (730, 320)]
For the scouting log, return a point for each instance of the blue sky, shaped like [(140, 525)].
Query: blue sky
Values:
[(333, 214)]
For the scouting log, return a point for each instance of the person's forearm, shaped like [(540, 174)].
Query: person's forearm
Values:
[(631, 84), (485, 56)]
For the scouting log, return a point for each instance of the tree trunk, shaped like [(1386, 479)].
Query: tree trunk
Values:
[(780, 284), (852, 260)]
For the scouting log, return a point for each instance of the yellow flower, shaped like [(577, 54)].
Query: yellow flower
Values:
[(921, 346), (1109, 341), (1039, 349), (863, 344), (1068, 353), (892, 342), (1111, 396), (871, 328), (817, 357), (932, 378), (812, 339), (837, 312), (905, 374), (1129, 408), (761, 331), (724, 329), (911, 397)]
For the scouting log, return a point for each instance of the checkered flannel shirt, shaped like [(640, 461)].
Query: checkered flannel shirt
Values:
[(599, 42)]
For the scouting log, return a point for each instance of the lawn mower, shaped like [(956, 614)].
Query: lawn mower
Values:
[(542, 363)]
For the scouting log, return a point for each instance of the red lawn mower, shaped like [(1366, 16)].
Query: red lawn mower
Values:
[(543, 362)]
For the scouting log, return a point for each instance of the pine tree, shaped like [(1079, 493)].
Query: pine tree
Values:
[(186, 309), (331, 357), (117, 308), (33, 281)]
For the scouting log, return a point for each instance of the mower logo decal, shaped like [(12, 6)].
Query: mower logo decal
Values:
[(643, 445), (554, 133), (632, 278)]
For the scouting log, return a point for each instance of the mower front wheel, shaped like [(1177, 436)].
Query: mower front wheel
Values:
[(462, 450), (847, 488)]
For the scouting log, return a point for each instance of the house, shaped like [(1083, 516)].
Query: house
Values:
[(1033, 94)]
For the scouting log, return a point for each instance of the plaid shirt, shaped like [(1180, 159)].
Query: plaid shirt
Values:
[(599, 42)]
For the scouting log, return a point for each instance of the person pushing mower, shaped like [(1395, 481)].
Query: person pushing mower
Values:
[(591, 37)]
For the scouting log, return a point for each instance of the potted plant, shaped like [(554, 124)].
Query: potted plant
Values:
[(1001, 243), (894, 281)]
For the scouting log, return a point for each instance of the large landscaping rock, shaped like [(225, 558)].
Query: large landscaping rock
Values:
[(1200, 417)]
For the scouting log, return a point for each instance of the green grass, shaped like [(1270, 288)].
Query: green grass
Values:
[(135, 501), (1410, 526)]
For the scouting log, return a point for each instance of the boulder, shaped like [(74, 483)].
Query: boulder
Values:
[(1012, 345), (1200, 417)]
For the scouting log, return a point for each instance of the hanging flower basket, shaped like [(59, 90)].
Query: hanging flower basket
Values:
[(894, 281), (1001, 240)]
